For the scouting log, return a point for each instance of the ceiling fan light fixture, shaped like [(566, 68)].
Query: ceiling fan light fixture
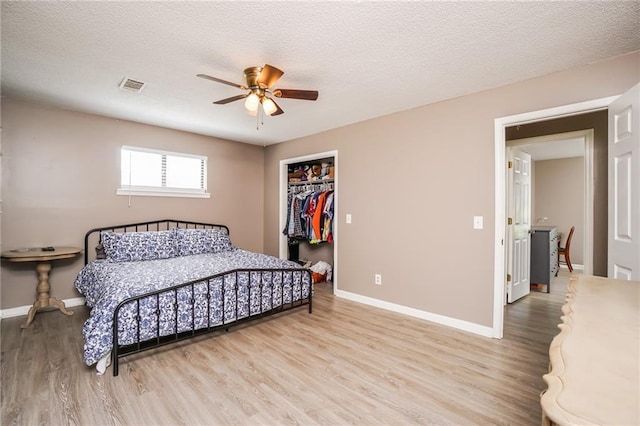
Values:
[(252, 102), (269, 106), (259, 91)]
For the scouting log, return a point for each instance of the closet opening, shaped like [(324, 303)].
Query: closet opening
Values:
[(308, 213)]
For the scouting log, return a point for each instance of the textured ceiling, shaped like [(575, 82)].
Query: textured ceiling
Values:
[(366, 59)]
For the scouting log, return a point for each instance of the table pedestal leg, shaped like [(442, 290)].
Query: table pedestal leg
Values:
[(44, 299)]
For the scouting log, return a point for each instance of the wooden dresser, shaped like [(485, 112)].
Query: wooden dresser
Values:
[(594, 376)]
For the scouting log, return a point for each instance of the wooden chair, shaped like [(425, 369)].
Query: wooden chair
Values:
[(565, 251)]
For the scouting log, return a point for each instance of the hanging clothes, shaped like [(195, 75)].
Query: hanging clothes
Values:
[(310, 213), (327, 231), (294, 228)]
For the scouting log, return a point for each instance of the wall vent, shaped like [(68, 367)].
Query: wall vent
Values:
[(132, 85)]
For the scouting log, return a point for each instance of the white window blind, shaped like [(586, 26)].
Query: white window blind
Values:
[(145, 171)]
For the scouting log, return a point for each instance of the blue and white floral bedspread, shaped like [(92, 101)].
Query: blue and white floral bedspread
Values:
[(105, 284)]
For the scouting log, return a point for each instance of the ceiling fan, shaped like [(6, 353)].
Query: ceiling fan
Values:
[(259, 82)]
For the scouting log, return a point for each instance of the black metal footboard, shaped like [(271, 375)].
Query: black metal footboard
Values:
[(205, 305)]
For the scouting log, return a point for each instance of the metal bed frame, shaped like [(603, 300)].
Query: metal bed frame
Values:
[(256, 279)]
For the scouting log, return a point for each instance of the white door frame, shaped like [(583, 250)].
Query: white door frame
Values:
[(587, 137), (284, 169), (500, 124)]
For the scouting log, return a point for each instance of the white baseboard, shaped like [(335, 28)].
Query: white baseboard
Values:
[(578, 267), (439, 319), (24, 310)]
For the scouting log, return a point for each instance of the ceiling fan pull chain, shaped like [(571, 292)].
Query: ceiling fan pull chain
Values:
[(259, 117)]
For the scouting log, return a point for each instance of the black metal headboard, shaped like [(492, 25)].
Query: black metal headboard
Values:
[(154, 225)]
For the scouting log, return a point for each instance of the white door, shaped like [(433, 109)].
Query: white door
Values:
[(624, 186), (519, 213)]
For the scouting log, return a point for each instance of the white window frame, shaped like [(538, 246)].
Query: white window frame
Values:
[(163, 191)]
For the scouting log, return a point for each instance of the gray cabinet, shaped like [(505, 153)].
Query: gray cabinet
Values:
[(544, 255)]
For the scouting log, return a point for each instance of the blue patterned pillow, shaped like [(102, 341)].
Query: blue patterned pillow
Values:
[(197, 241), (133, 246)]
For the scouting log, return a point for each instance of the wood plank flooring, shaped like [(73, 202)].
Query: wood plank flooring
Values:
[(346, 363)]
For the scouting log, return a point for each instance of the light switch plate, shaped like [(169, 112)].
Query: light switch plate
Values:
[(348, 218)]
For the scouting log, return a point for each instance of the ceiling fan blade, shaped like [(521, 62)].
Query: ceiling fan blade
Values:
[(219, 80), (231, 99), (308, 95), (268, 76), (277, 111)]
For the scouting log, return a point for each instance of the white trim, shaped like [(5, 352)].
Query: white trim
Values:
[(163, 152), (575, 266), (24, 310), (162, 193), (416, 313), (282, 210), (499, 267), (589, 201), (499, 273)]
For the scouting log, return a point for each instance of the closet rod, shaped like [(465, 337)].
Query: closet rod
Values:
[(312, 182)]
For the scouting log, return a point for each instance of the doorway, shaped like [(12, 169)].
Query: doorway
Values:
[(565, 194), (500, 130), (283, 246)]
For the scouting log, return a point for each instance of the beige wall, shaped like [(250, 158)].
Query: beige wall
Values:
[(559, 195), (60, 170), (317, 252), (413, 182)]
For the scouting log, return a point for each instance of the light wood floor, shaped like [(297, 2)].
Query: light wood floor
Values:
[(345, 364)]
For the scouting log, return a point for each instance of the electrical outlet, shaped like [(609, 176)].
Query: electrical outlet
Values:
[(377, 279), (478, 222)]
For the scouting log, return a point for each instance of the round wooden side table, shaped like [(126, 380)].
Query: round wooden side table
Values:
[(43, 261)]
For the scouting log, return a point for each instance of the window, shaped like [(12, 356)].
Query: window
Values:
[(146, 171)]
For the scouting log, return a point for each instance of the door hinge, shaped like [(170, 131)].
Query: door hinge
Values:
[(509, 221), (510, 164), (508, 277)]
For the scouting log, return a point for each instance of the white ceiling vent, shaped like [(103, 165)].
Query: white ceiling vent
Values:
[(132, 85)]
